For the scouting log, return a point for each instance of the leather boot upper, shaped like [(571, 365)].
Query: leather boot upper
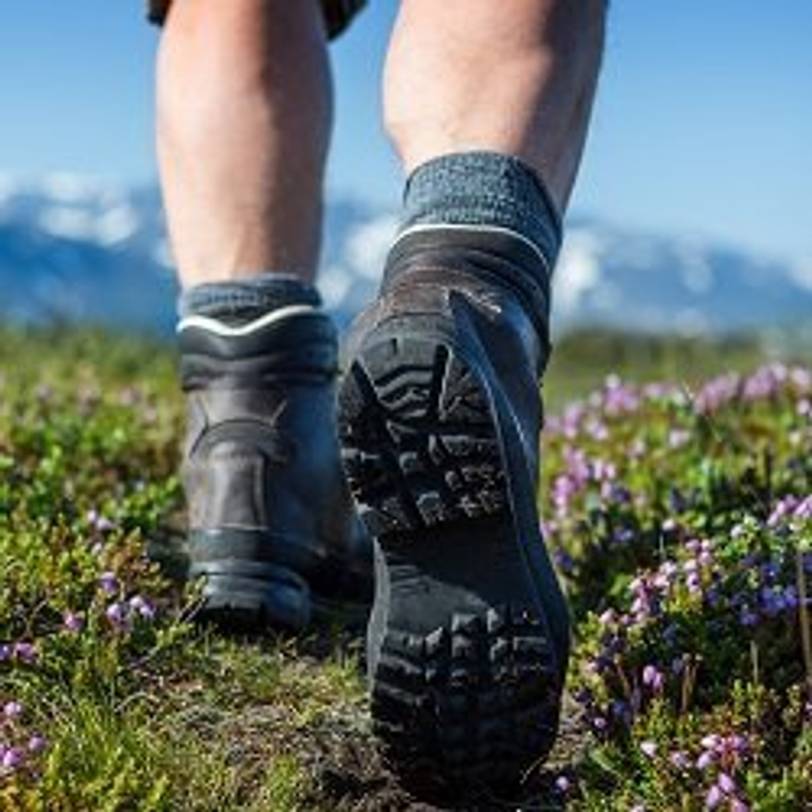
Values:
[(261, 466)]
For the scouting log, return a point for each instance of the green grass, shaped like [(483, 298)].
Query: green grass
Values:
[(155, 714)]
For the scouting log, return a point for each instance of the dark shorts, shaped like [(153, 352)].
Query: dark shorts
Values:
[(337, 13)]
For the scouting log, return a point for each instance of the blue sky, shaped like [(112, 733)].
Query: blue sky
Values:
[(703, 123)]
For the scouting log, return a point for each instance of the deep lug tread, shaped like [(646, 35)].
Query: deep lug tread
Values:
[(418, 444), (478, 719), (475, 699)]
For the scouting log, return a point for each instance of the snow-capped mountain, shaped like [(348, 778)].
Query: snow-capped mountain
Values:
[(78, 249)]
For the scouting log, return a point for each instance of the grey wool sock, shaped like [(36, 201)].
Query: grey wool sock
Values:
[(485, 189), (242, 301)]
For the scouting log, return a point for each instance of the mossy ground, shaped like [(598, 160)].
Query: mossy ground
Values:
[(675, 512)]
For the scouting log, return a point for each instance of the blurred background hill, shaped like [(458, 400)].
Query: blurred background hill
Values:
[(77, 249)]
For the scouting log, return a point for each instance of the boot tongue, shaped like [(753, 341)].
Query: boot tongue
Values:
[(295, 341)]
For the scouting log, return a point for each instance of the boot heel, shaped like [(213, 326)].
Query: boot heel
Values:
[(272, 528)]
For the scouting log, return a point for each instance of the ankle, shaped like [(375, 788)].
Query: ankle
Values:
[(483, 221), (243, 301), (480, 191)]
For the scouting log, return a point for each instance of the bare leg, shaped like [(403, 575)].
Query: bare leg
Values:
[(244, 109), (514, 76)]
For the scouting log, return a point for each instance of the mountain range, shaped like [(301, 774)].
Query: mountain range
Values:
[(73, 248)]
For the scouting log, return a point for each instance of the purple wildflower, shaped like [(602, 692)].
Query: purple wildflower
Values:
[(736, 744), (603, 471), (666, 574), (764, 382), (747, 617), (608, 618), (623, 535), (618, 397), (73, 622), (37, 743), (714, 797), (694, 583), (13, 758), (648, 748), (99, 522), (804, 509), (25, 653), (784, 508), (726, 783), (12, 710), (563, 784), (716, 393), (109, 583), (142, 606), (678, 438), (693, 546), (653, 678), (679, 760), (724, 749), (564, 489), (772, 601), (118, 616), (578, 468), (571, 420)]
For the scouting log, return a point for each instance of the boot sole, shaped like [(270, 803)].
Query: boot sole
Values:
[(463, 672), (242, 596), (253, 597)]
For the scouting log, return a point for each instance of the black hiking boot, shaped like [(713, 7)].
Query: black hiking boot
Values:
[(439, 421), (272, 526)]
